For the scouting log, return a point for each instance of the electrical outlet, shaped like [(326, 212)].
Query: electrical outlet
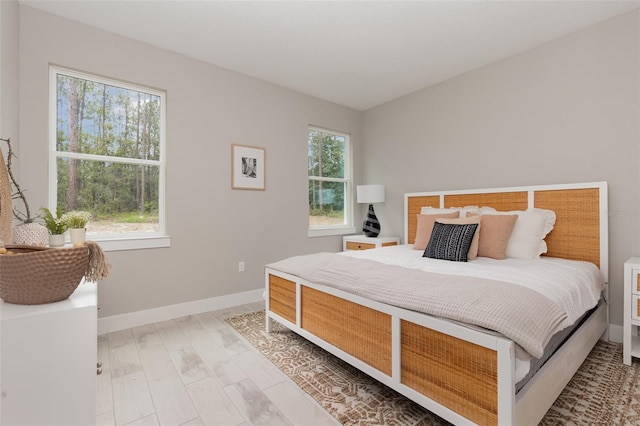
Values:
[(241, 266)]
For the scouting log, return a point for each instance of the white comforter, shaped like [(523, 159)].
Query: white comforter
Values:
[(574, 286)]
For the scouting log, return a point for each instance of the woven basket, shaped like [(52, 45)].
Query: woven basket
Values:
[(37, 275)]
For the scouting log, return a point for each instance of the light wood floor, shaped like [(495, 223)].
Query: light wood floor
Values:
[(196, 370)]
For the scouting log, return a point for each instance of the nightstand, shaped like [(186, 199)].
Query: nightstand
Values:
[(631, 317), (360, 242)]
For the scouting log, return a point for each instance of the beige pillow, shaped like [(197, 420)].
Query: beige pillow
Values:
[(471, 218), (494, 235), (425, 226)]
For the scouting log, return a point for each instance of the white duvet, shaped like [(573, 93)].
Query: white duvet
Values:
[(573, 285)]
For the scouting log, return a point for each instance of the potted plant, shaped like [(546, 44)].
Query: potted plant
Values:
[(76, 221), (55, 225), (28, 232)]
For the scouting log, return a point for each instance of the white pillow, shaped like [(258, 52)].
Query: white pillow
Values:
[(487, 210), (527, 238)]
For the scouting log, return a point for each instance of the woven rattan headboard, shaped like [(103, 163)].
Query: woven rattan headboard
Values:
[(581, 229)]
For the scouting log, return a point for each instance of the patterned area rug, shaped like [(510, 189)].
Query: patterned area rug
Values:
[(603, 392)]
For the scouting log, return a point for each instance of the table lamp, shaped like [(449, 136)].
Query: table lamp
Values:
[(370, 194)]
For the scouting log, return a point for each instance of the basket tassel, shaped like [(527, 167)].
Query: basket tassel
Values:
[(99, 266)]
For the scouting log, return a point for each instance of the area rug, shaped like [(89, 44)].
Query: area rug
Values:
[(603, 392)]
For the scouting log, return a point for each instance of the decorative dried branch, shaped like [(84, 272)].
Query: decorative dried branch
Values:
[(19, 193)]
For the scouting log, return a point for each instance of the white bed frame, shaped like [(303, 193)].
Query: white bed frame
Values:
[(286, 303)]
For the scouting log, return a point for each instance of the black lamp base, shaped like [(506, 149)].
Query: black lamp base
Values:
[(371, 226)]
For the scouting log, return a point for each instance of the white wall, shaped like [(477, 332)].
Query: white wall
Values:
[(9, 61), (567, 111), (209, 108)]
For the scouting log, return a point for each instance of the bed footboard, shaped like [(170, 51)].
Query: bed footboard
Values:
[(452, 377)]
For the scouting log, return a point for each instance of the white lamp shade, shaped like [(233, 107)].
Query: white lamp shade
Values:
[(370, 194)]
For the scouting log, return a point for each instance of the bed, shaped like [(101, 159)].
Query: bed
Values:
[(464, 374)]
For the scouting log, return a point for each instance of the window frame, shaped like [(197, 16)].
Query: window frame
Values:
[(344, 229), (111, 241)]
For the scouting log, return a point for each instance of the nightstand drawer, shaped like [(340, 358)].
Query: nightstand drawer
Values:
[(352, 245), (635, 289), (635, 307)]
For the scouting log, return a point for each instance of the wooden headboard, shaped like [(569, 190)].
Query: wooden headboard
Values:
[(581, 229)]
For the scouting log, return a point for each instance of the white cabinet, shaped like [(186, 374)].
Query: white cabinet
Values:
[(360, 242), (48, 361)]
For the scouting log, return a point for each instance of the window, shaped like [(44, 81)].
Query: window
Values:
[(107, 157), (330, 206)]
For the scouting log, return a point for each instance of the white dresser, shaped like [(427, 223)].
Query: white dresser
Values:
[(631, 317), (48, 361)]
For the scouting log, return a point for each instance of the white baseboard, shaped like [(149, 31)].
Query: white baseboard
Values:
[(164, 313)]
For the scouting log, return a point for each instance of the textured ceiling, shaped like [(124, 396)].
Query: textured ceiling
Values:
[(354, 53)]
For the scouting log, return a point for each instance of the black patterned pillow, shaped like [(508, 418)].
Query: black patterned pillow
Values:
[(450, 241)]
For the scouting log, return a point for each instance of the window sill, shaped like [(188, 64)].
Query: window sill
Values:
[(132, 242), (325, 232)]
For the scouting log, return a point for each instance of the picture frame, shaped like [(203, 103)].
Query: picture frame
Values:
[(248, 167)]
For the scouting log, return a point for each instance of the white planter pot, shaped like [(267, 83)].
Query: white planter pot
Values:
[(78, 235), (56, 240), (30, 234)]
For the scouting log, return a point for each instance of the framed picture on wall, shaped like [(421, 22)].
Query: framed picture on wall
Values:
[(247, 167)]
